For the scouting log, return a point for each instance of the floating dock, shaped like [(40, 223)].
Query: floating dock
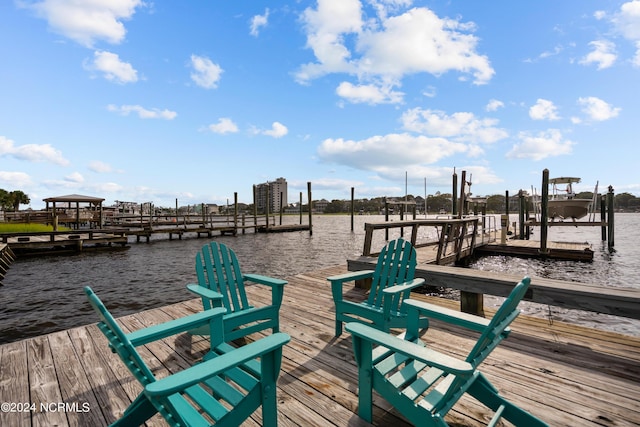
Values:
[(566, 375), (55, 242), (571, 251)]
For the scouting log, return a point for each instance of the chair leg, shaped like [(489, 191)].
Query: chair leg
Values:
[(338, 327), (137, 413), (487, 394)]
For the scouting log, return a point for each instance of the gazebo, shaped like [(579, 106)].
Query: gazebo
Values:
[(73, 201)]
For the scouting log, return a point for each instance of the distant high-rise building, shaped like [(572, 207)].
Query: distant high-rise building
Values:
[(272, 194)]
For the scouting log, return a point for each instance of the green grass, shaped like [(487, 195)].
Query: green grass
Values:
[(19, 227)]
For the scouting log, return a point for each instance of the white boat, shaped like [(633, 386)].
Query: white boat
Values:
[(562, 202)]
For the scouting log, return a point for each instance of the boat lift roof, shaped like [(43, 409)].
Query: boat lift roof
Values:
[(564, 180)]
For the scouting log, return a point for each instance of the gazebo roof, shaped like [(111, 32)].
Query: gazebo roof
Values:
[(75, 198)]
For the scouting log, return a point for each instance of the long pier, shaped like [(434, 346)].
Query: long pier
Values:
[(117, 233), (566, 375)]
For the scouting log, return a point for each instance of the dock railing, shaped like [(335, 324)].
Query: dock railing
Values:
[(455, 238)]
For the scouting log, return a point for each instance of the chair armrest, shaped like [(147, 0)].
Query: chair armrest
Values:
[(354, 275), (466, 320), (415, 351), (174, 327), (202, 371), (204, 292), (403, 286), (264, 280)]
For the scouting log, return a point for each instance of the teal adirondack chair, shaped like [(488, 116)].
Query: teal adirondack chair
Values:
[(199, 395), (423, 384), (392, 281), (221, 283)]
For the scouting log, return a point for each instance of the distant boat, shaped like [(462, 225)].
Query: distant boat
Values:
[(562, 202)]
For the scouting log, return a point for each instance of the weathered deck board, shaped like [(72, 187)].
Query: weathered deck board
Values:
[(566, 374)]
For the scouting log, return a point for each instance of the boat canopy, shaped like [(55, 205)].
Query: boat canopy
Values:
[(563, 180)]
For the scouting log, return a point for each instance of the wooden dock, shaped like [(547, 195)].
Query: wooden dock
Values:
[(63, 241), (6, 258), (565, 374), (571, 251)]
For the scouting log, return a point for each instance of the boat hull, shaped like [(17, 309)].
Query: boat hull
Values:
[(568, 208)]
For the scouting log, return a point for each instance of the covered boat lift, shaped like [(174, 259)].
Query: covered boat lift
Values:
[(73, 201)]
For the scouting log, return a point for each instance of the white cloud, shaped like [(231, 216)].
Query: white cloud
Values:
[(259, 21), (224, 125), (544, 110), (32, 152), (206, 74), (278, 130), (419, 41), (75, 177), (597, 109), (142, 112), (603, 54), (112, 67), (381, 153), (326, 28), (15, 179), (87, 21), (537, 147), (494, 104), (370, 94), (382, 51), (461, 126), (627, 23), (99, 167)]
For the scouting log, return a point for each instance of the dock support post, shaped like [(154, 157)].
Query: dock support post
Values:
[(300, 208), (603, 218), (454, 195), (310, 208), (352, 207), (521, 215), (610, 215), (506, 207), (235, 213), (472, 303), (544, 220), (266, 208), (386, 219), (255, 211), (281, 206)]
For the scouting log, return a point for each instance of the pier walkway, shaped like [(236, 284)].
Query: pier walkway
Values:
[(567, 375)]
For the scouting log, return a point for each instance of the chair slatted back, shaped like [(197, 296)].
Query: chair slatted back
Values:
[(118, 340), (493, 334), (396, 264), (498, 328), (217, 268)]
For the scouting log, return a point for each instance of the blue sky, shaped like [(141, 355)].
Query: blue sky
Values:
[(152, 101)]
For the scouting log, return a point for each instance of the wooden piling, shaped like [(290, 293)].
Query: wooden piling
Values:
[(603, 218), (544, 220), (610, 216), (300, 208), (352, 207), (255, 210), (310, 208), (521, 214), (281, 206), (454, 195)]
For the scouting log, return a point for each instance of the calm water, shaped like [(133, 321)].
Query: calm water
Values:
[(43, 295)]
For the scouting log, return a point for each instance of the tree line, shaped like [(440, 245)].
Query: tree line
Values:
[(442, 202)]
